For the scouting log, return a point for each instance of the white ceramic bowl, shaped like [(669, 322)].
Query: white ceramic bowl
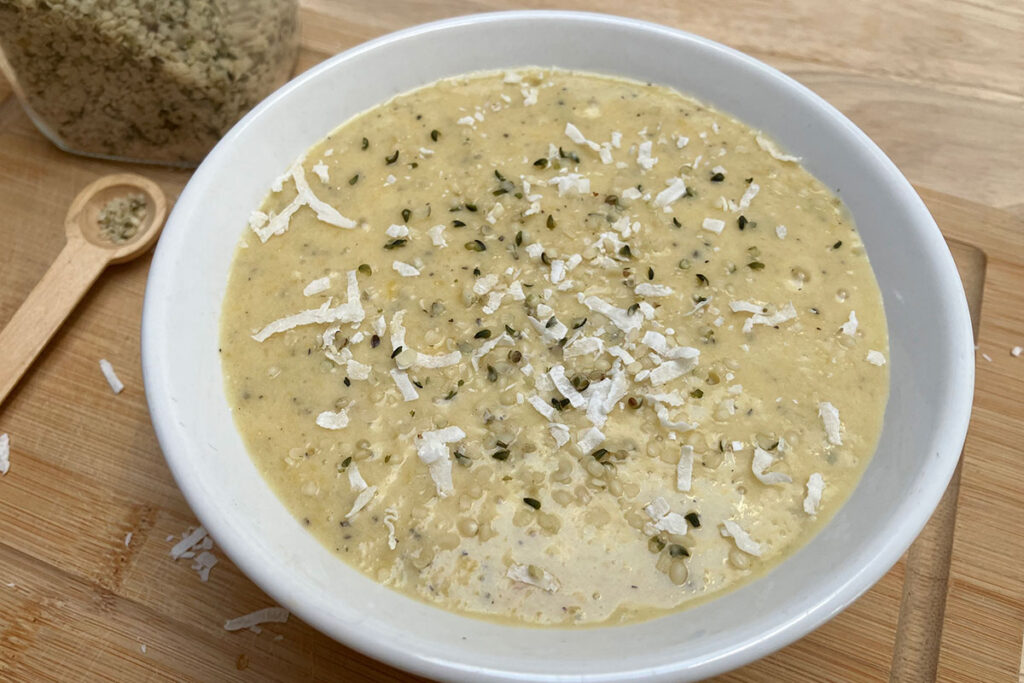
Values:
[(932, 360)]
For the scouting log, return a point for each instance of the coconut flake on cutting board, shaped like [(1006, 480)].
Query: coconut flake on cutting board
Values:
[(267, 615), (5, 453), (108, 373)]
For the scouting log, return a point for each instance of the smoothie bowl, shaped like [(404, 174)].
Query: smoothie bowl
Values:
[(556, 345)]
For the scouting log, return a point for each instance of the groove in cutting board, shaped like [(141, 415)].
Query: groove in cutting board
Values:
[(926, 578)]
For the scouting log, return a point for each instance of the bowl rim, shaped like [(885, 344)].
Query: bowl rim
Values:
[(957, 412)]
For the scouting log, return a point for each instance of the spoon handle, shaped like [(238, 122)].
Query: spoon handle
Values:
[(47, 306)]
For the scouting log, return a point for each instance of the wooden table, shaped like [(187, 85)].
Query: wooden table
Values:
[(938, 84)]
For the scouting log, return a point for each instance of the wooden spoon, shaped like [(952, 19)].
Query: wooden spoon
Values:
[(85, 255)]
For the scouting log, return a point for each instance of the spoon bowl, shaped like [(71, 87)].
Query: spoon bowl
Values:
[(83, 216)]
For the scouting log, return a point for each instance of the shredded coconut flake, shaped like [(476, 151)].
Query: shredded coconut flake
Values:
[(329, 420), (484, 284), (748, 196), (542, 407), (390, 517), (349, 312), (443, 360), (321, 284), (355, 478), (557, 271), (356, 370), (188, 542), (829, 415), (780, 231), (770, 147), (397, 231), (621, 353), (576, 136), (664, 519), (277, 224), (397, 330), (203, 563), (108, 372), (618, 316), (591, 439), (714, 225), (4, 454), (487, 347), (643, 155), (324, 211), (648, 289), (787, 313), (747, 307), (815, 487), (432, 449), (559, 432), (405, 385), (850, 326), (670, 370), (673, 398), (565, 387), (583, 346), (404, 269), (379, 326), (533, 576), (658, 343), (496, 212), (570, 183), (684, 469), (361, 501), (743, 540), (257, 219), (876, 358), (1016, 351), (602, 396), (676, 189), (494, 299), (551, 329), (761, 462), (665, 419), (321, 172), (436, 235), (267, 615)]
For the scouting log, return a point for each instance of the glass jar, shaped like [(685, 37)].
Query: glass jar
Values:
[(145, 80)]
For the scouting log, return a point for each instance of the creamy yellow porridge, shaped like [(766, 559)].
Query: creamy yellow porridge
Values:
[(555, 348)]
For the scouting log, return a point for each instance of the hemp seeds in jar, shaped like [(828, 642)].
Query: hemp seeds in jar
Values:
[(153, 81)]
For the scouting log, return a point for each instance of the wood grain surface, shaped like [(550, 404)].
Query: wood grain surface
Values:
[(939, 85)]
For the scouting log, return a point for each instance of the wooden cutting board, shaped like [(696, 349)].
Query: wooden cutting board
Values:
[(79, 600)]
